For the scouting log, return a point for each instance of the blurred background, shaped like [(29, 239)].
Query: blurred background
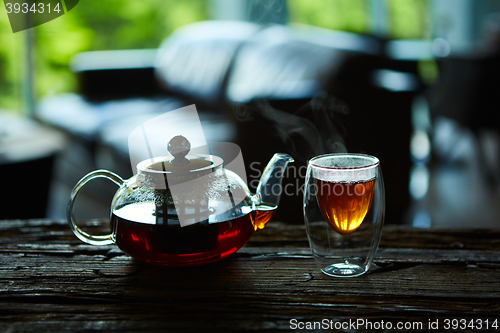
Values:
[(413, 82)]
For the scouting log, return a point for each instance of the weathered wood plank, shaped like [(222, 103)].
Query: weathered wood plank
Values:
[(51, 281)]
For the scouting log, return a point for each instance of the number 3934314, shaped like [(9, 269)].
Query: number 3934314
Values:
[(34, 7)]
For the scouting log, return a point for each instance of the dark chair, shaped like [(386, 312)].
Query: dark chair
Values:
[(314, 91)]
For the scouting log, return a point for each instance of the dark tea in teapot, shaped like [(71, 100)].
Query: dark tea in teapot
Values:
[(142, 235)]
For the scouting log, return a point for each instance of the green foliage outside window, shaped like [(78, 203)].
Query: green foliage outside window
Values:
[(405, 19), (11, 54), (131, 24), (91, 25), (408, 19), (348, 15)]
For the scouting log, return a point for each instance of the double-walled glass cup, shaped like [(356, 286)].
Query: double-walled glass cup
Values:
[(344, 204)]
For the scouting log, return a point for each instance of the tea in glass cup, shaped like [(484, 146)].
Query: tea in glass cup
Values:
[(344, 206)]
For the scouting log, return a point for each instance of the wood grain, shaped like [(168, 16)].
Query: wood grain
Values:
[(50, 281)]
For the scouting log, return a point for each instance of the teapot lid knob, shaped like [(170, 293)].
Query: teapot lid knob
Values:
[(179, 147)]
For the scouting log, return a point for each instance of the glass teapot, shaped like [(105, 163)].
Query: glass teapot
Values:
[(184, 210)]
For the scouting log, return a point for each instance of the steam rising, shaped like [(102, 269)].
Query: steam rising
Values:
[(314, 129)]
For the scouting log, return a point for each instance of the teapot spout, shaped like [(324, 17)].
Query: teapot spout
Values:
[(269, 189)]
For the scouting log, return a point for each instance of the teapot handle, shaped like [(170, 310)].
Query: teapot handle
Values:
[(82, 235)]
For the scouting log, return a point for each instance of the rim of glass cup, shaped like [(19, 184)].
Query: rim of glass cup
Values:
[(375, 161)]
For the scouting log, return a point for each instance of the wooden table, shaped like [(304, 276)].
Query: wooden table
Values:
[(50, 281)]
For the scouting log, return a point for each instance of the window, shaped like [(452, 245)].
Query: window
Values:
[(131, 24), (91, 25)]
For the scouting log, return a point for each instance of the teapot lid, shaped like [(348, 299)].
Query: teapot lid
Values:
[(180, 161)]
